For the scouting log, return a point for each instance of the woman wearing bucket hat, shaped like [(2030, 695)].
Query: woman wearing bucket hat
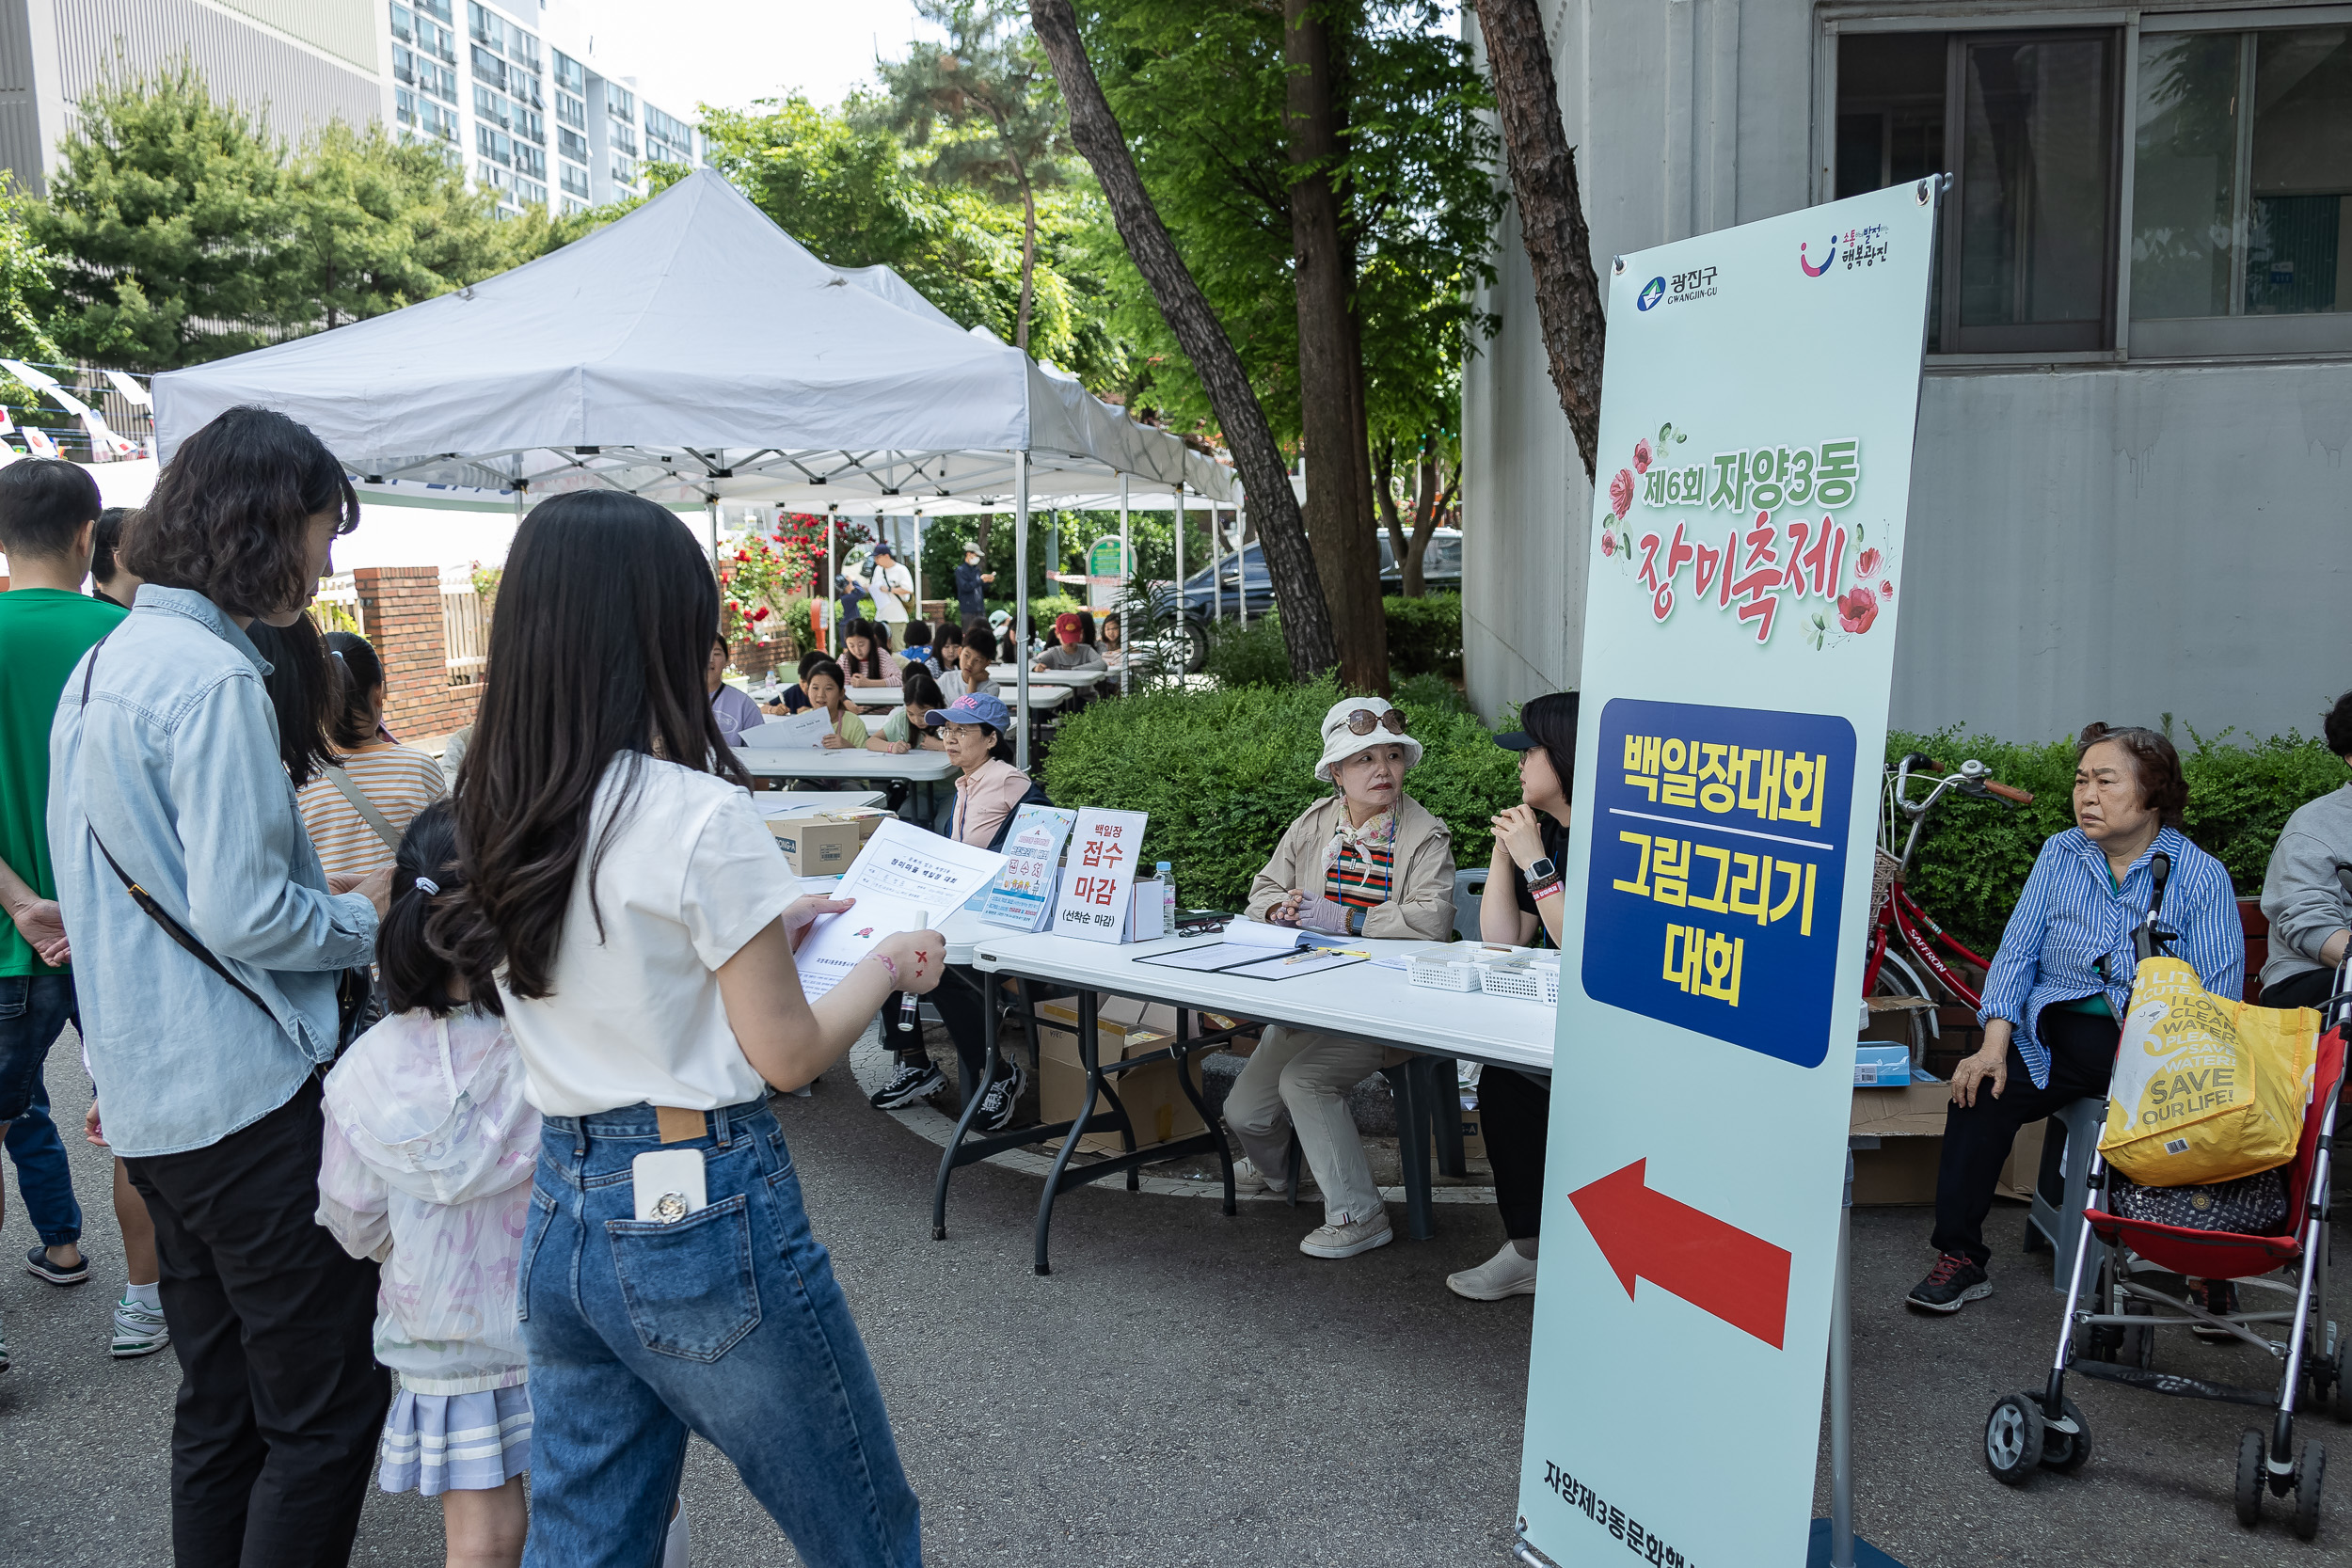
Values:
[(1521, 905), (1367, 862)]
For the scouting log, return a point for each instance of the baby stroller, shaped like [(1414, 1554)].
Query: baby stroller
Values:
[(2139, 1286)]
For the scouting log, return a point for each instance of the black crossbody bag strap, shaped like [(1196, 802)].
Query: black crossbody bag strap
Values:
[(145, 899)]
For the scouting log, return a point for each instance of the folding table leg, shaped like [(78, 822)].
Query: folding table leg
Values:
[(971, 1108), (1412, 1142), (1087, 1056), (1444, 1089)]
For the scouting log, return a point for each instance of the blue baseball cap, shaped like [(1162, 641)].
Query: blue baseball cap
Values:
[(973, 707)]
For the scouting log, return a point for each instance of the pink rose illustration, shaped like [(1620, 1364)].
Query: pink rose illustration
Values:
[(1865, 567), (1621, 493), (1886, 589), (1608, 543), (1641, 456), (1857, 607)]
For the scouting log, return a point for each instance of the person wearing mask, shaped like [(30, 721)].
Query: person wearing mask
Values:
[(893, 588), (970, 582), (2062, 979), (108, 580), (865, 655), (1369, 860), (49, 511), (733, 709), (1074, 651), (974, 731), (637, 923), (828, 693), (1521, 907), (908, 728), (2307, 890), (362, 800), (167, 774)]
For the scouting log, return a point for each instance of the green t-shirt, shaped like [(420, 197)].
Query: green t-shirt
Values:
[(44, 634)]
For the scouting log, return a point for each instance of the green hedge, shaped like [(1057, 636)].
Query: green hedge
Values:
[(1973, 856), (1224, 772), (1426, 634)]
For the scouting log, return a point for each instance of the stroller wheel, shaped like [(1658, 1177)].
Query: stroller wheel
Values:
[(2013, 1439), (2066, 1451), (2310, 1466), (2339, 1397), (2252, 1450)]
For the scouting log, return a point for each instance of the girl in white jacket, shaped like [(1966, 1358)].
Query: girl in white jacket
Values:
[(426, 1168)]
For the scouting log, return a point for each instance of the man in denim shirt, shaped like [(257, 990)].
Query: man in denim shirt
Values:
[(163, 762)]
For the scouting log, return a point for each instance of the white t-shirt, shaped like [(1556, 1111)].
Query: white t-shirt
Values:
[(891, 586), (690, 875)]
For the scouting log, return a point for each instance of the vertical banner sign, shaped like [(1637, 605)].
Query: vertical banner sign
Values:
[(1746, 547), (1099, 870)]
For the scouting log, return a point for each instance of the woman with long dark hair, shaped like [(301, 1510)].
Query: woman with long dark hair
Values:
[(208, 1005), (638, 923), (368, 793)]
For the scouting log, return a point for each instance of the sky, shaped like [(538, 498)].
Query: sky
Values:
[(684, 52)]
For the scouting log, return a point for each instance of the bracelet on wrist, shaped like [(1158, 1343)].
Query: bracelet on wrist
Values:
[(1548, 890)]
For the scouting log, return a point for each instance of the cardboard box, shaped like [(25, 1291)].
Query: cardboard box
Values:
[(817, 846), (1908, 1123), (867, 818), (1155, 1100)]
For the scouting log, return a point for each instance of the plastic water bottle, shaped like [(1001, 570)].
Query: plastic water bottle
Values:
[(1168, 895)]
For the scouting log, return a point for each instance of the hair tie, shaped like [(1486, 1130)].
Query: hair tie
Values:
[(428, 886)]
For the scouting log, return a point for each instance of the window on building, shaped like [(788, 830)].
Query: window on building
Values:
[(570, 75), (530, 160), (494, 144), (572, 145), (571, 111), (573, 179), (573, 205), (436, 79), (403, 25), (531, 124), (530, 193), (438, 10), (404, 65), (623, 138), (404, 107), (624, 171), (620, 103), (2242, 184), (489, 67), (436, 122), (489, 107), (485, 25)]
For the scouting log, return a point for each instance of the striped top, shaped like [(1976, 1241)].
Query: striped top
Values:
[(398, 781), (1361, 869), (2071, 935)]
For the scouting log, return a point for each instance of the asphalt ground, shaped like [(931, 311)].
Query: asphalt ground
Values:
[(1188, 1388)]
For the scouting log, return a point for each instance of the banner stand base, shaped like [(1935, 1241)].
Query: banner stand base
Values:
[(1864, 1555)]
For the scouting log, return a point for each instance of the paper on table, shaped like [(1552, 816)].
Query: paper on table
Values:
[(836, 942), (1259, 933), (799, 730), (903, 862), (1207, 958)]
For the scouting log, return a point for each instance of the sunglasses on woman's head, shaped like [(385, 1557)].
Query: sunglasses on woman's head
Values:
[(1363, 722)]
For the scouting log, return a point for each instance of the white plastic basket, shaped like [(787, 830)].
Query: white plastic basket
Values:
[(1515, 980), (1551, 984), (1443, 975)]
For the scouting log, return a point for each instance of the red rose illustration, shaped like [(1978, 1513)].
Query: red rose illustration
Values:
[(1608, 543), (1866, 565), (1621, 493), (1886, 589), (1641, 456), (1857, 607)]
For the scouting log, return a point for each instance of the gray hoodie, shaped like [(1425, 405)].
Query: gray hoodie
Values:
[(2307, 893)]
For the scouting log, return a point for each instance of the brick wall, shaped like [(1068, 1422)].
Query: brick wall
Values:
[(401, 609)]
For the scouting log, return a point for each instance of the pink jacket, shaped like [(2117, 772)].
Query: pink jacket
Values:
[(985, 798)]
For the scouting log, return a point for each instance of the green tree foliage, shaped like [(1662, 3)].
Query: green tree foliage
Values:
[(985, 108), (850, 192), (28, 284), (373, 225), (1224, 772), (1199, 87)]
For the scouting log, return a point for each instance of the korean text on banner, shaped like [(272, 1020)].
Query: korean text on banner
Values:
[(1101, 871), (1743, 558), (1023, 891)]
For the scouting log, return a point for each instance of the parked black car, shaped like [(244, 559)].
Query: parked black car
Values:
[(1245, 579)]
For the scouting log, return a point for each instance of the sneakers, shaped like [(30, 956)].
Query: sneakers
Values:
[(1347, 1240), (1248, 1179), (1951, 1284), (1506, 1273), (1003, 1092), (37, 1264), (914, 1081), (138, 1330)]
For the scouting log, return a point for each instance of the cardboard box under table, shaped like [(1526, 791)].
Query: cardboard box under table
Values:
[(1898, 1139), (1157, 1109)]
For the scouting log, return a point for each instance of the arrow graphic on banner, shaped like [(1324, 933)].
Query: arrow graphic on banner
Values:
[(1716, 1267)]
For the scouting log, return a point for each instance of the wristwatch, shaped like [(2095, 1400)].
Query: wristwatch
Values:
[(1542, 871)]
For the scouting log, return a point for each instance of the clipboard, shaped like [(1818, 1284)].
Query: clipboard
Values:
[(1258, 963)]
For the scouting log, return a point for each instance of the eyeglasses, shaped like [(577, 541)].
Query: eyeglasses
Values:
[(1363, 722)]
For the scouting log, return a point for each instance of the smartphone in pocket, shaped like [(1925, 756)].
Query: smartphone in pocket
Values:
[(668, 1184)]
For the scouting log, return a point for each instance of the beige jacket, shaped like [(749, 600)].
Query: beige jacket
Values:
[(1422, 903)]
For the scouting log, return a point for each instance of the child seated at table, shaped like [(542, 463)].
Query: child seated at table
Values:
[(795, 698), (828, 692), (907, 729)]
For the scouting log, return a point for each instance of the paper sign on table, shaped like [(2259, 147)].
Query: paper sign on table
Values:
[(836, 942), (1103, 847), (903, 862), (801, 730), (1023, 895)]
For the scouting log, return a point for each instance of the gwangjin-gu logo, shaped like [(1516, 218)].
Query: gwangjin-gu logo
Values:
[(1811, 271), (1652, 291)]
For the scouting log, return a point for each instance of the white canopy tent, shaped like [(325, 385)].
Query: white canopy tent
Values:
[(693, 352)]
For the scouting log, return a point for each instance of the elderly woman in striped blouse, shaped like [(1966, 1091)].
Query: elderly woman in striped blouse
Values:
[(2063, 978)]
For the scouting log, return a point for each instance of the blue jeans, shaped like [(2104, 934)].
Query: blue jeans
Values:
[(34, 1011), (727, 1323)]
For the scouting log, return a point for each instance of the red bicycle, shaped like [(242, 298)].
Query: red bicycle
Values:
[(1892, 981)]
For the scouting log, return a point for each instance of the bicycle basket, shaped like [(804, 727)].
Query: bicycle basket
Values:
[(1883, 874)]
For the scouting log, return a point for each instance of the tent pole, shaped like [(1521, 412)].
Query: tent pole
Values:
[(1021, 610), (919, 565), (1123, 575), (831, 511), (1176, 497), (1241, 566)]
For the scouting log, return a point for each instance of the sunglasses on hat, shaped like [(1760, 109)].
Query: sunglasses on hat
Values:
[(1363, 722)]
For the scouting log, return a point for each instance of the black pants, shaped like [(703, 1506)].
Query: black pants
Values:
[(959, 998), (281, 1399), (1976, 1138), (1515, 1113), (2307, 989)]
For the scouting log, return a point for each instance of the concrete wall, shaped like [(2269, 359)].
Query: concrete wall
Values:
[(2109, 540)]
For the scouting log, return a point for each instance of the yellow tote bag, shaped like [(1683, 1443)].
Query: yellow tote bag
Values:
[(2208, 1088)]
